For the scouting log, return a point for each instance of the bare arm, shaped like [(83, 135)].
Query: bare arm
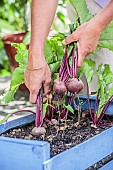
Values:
[(42, 16), (105, 16), (38, 71), (87, 35)]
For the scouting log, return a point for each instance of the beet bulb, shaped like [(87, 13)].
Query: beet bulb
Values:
[(59, 87), (74, 85), (38, 131)]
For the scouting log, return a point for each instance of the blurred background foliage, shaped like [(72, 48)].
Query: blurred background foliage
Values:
[(15, 17), (12, 14)]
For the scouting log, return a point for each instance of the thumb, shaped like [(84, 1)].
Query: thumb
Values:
[(72, 38), (81, 55)]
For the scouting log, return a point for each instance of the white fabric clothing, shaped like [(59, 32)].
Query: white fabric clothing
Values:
[(102, 3)]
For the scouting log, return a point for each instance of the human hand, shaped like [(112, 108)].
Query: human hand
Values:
[(34, 80), (86, 36)]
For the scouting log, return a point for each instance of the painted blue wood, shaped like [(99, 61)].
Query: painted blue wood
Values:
[(17, 122), (92, 100), (83, 155), (108, 166), (19, 154)]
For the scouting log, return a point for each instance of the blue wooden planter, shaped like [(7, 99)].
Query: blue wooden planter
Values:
[(17, 122), (92, 101), (19, 154)]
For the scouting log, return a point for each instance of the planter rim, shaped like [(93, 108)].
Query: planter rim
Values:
[(23, 141)]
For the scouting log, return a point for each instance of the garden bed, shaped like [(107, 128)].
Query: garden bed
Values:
[(61, 136), (72, 136)]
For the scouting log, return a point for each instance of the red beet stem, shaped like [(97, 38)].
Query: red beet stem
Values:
[(105, 124), (73, 63), (104, 110), (89, 108), (68, 68), (24, 111), (63, 73), (49, 116), (63, 62), (76, 63), (66, 76), (95, 109), (39, 117)]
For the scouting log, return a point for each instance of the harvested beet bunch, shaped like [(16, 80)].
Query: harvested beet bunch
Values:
[(68, 80), (67, 84), (61, 101)]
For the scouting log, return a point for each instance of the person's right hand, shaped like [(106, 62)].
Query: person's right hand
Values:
[(87, 37), (34, 80)]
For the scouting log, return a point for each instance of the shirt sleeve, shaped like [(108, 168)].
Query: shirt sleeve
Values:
[(102, 3)]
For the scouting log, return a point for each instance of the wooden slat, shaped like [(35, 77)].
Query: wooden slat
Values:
[(19, 154), (108, 166), (17, 122)]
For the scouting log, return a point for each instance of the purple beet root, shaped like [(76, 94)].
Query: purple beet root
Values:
[(74, 85), (38, 131), (59, 87), (81, 85)]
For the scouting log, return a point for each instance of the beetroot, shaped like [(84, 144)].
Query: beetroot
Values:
[(38, 131), (74, 85), (81, 85), (59, 87)]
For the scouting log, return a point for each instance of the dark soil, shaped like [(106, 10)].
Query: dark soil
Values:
[(64, 135)]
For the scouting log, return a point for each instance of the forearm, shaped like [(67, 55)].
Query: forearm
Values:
[(104, 17), (42, 16)]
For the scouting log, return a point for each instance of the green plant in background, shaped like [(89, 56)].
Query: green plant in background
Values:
[(4, 63), (12, 14), (12, 19), (61, 18)]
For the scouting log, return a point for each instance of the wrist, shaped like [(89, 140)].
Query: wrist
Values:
[(36, 60), (99, 24), (37, 68), (96, 25), (104, 18)]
